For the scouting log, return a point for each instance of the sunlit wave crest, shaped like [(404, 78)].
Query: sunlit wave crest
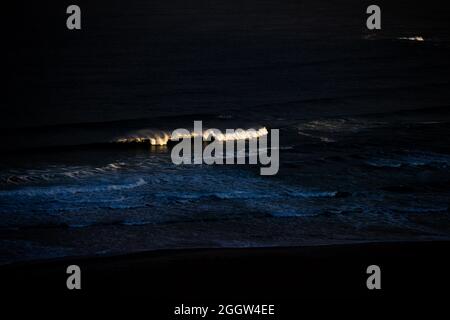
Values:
[(415, 38), (161, 138)]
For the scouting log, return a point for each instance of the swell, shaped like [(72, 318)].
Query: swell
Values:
[(155, 131), (103, 134), (72, 190), (51, 174)]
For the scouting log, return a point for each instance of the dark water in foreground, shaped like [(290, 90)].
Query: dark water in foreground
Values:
[(364, 128)]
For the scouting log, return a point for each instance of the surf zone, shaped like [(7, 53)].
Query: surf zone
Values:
[(234, 146)]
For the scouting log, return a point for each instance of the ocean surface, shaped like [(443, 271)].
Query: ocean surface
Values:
[(364, 123)]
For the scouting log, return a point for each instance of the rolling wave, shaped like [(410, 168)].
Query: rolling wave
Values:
[(155, 131), (160, 138)]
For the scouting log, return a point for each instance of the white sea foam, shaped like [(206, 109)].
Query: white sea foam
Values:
[(62, 190)]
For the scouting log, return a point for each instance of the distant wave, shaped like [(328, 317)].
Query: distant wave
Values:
[(413, 38), (339, 125), (413, 160), (417, 38), (325, 130)]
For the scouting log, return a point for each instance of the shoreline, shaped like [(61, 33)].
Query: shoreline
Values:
[(413, 269), (199, 250)]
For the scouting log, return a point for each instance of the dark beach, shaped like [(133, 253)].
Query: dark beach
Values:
[(411, 270)]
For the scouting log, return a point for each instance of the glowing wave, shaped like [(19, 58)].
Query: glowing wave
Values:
[(162, 138), (416, 38)]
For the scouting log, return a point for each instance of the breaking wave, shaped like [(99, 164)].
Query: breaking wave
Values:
[(161, 138)]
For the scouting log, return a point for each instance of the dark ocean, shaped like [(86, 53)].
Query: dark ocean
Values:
[(364, 120)]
